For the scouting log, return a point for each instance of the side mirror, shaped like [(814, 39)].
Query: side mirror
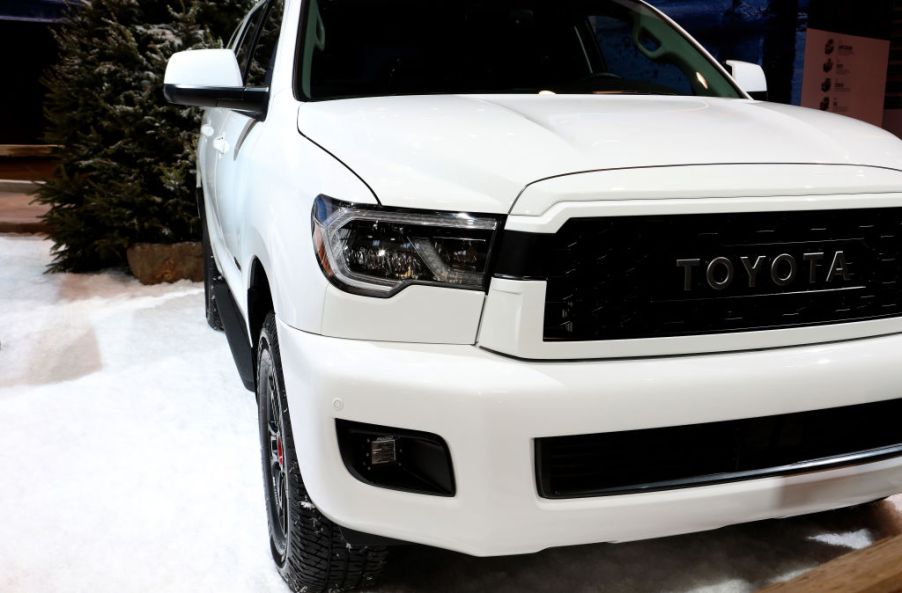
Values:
[(750, 78), (212, 78)]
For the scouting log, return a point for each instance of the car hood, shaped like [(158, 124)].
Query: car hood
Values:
[(478, 153)]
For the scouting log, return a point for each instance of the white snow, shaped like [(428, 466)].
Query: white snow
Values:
[(855, 540), (129, 463)]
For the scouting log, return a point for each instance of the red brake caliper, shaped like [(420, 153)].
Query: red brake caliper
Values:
[(279, 450)]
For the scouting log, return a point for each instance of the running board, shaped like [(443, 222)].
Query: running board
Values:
[(236, 332)]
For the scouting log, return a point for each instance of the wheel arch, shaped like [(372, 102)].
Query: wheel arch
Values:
[(259, 301)]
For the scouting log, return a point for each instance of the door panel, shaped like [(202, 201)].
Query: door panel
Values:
[(213, 144), (256, 54), (211, 128), (231, 178)]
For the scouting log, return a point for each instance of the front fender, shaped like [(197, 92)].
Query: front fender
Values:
[(288, 172)]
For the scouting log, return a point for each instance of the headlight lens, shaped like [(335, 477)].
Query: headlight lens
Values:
[(377, 252)]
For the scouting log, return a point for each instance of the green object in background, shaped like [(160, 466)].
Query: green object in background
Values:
[(126, 172)]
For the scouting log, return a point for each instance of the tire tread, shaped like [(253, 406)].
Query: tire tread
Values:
[(318, 558)]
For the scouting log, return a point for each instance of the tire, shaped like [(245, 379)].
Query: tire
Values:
[(309, 550), (210, 273)]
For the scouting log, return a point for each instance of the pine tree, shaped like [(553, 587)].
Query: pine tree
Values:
[(126, 172)]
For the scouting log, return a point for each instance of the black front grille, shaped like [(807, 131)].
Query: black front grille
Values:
[(648, 276), (684, 456)]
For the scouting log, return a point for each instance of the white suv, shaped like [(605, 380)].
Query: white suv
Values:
[(508, 275)]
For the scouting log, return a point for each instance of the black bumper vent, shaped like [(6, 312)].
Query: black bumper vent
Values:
[(396, 458), (696, 455), (660, 276)]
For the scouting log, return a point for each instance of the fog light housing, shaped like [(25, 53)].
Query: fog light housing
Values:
[(396, 458), (384, 450)]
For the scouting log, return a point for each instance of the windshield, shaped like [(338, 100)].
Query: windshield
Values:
[(367, 48)]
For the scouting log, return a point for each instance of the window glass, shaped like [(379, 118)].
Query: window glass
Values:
[(263, 60), (355, 48), (623, 57), (243, 51), (233, 40)]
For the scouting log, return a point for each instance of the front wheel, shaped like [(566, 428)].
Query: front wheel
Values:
[(310, 551)]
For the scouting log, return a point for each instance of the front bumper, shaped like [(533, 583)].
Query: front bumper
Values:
[(490, 408)]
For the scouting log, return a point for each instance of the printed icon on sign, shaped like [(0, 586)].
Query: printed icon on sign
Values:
[(828, 65), (827, 85), (829, 47), (825, 104)]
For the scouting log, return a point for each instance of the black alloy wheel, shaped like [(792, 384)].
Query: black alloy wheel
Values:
[(309, 550), (275, 474), (211, 273)]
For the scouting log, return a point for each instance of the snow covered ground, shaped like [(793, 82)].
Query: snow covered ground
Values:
[(128, 463)]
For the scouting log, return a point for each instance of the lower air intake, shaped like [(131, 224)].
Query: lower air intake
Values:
[(696, 455)]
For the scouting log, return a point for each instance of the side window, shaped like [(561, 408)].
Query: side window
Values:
[(243, 51), (233, 40), (263, 57), (624, 59)]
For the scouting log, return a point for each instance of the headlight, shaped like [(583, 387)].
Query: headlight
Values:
[(377, 252)]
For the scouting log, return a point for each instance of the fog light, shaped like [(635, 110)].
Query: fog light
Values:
[(384, 450), (396, 458)]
